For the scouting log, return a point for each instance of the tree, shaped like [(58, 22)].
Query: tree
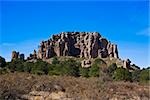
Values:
[(84, 72), (2, 62), (71, 67), (136, 75), (145, 75), (122, 74), (94, 71), (111, 69), (28, 66), (40, 67), (16, 65), (55, 60), (96, 68), (68, 67)]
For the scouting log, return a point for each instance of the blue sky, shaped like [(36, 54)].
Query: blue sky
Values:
[(24, 24)]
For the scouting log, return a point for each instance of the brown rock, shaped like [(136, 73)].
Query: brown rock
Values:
[(86, 63), (15, 55), (78, 44), (21, 56)]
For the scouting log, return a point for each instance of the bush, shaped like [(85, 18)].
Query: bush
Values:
[(122, 74), (28, 66), (55, 69), (97, 66), (3, 71), (136, 75), (145, 76), (94, 71), (2, 62), (111, 69), (71, 67), (40, 67), (84, 72), (68, 67), (16, 65), (55, 61)]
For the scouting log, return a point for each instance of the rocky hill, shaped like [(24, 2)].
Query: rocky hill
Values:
[(86, 45)]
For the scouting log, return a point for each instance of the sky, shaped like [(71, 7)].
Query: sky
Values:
[(24, 24)]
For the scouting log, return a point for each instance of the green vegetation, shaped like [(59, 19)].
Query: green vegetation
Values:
[(122, 74), (40, 67), (136, 75), (96, 68), (111, 69), (84, 72), (72, 67), (94, 71), (2, 62), (145, 76), (68, 67), (16, 65)]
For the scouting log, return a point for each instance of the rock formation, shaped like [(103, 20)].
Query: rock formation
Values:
[(32, 56), (86, 45), (21, 56), (86, 63), (126, 63), (78, 44), (16, 55)]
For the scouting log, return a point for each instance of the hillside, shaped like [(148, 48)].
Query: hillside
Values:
[(28, 86)]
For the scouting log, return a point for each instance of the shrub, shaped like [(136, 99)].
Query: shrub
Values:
[(122, 74), (145, 75), (71, 67), (3, 71), (94, 71), (2, 62), (16, 65), (55, 60), (68, 67), (55, 69), (40, 67), (111, 69), (28, 66), (136, 75), (84, 72), (97, 66)]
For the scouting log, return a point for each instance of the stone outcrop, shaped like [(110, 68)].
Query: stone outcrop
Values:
[(21, 56), (16, 55), (86, 63), (32, 56), (126, 63), (77, 44)]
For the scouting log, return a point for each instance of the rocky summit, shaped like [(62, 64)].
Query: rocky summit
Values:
[(77, 44)]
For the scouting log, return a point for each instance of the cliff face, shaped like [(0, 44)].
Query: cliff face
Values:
[(77, 44)]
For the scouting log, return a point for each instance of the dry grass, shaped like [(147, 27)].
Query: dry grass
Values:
[(14, 85)]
